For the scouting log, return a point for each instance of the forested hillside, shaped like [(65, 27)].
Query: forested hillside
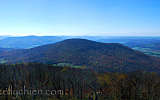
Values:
[(30, 81), (81, 52)]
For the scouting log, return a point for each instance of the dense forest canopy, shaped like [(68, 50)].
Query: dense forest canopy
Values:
[(76, 83)]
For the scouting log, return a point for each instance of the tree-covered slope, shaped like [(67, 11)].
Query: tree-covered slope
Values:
[(82, 52)]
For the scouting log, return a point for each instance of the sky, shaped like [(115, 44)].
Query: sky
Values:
[(80, 17)]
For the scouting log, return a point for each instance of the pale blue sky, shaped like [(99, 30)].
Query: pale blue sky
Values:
[(80, 17)]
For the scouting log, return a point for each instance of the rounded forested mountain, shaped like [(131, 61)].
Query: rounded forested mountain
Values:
[(82, 52)]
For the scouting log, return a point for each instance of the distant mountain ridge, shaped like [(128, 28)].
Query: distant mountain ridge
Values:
[(82, 52), (25, 42)]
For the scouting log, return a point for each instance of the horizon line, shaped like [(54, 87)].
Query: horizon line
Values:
[(83, 35)]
